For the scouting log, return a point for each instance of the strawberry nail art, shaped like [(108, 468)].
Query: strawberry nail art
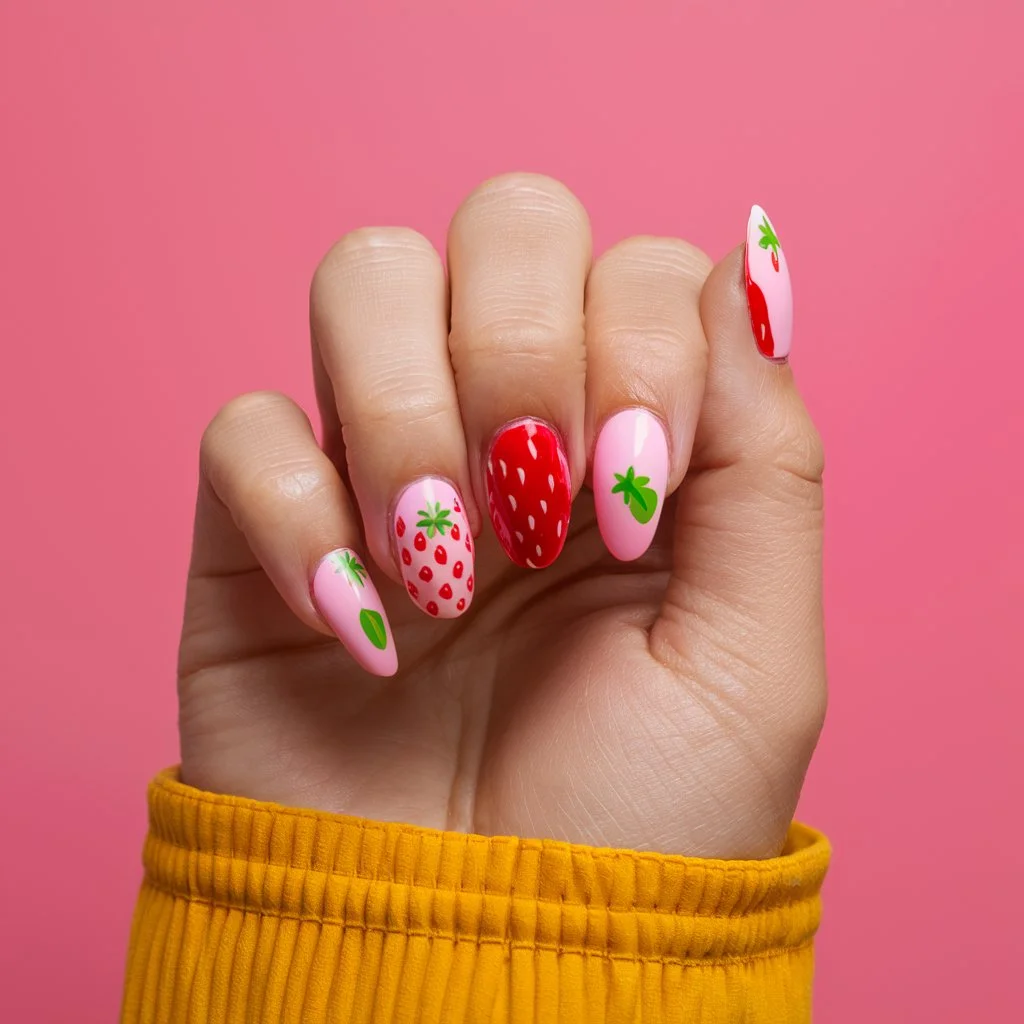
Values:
[(769, 293), (630, 472), (529, 492), (435, 549), (349, 602)]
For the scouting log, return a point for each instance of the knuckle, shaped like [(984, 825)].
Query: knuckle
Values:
[(538, 334), (373, 247), (243, 413), (654, 258), (522, 192), (798, 447)]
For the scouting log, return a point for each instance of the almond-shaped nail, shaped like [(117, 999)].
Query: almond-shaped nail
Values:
[(529, 492), (769, 293), (435, 547), (349, 602), (630, 473)]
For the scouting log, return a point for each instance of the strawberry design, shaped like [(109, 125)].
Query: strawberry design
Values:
[(432, 568), (346, 564), (641, 500), (769, 240), (529, 492)]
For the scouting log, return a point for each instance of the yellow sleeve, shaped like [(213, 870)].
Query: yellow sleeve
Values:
[(255, 912)]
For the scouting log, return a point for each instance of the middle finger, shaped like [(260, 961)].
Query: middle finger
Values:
[(519, 252)]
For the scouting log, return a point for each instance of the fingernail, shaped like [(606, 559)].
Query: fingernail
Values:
[(769, 293), (630, 471), (348, 600), (435, 547), (529, 492)]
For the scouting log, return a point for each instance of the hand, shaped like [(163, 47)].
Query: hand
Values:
[(668, 702)]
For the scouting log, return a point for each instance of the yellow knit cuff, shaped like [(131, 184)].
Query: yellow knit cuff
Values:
[(363, 920)]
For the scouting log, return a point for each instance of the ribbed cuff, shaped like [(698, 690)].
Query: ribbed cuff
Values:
[(337, 894)]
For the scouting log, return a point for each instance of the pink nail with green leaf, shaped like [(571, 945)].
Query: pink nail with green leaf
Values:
[(630, 473), (434, 547), (769, 293), (349, 602)]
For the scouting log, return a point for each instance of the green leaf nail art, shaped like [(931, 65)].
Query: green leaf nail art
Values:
[(769, 240), (373, 626), (641, 499), (347, 565), (434, 519)]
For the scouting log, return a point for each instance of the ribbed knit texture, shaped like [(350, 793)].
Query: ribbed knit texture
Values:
[(252, 912)]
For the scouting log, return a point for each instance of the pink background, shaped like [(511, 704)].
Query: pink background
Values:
[(172, 172)]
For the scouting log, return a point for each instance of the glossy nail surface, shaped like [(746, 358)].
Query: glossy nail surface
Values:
[(529, 492), (435, 547), (769, 293), (630, 472), (349, 602)]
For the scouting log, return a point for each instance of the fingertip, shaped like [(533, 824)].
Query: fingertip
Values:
[(345, 596)]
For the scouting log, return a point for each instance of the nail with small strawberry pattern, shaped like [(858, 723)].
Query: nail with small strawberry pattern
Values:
[(435, 549), (769, 293), (630, 473), (529, 492), (345, 596)]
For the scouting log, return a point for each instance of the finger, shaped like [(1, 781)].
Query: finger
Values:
[(747, 546), (380, 320), (263, 472), (646, 361), (519, 251)]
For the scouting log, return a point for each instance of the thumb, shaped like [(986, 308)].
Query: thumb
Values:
[(743, 613)]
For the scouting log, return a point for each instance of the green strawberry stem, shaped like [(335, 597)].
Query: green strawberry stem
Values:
[(768, 239), (434, 519), (640, 499), (349, 566)]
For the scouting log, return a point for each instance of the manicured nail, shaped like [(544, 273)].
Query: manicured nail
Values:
[(529, 492), (630, 471), (348, 600), (769, 293), (435, 547)]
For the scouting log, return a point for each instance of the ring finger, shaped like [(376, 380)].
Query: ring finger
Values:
[(379, 318)]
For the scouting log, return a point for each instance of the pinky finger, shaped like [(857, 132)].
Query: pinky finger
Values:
[(261, 463)]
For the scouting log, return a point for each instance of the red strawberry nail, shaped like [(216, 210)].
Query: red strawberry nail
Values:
[(426, 574), (528, 492), (445, 592), (406, 557)]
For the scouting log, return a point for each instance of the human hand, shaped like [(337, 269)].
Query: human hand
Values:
[(670, 702)]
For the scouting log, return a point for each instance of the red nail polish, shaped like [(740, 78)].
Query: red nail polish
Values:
[(529, 492)]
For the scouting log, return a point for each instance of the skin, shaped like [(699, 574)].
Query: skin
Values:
[(671, 703)]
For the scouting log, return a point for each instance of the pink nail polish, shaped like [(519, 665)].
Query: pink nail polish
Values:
[(630, 472), (348, 600), (435, 547), (769, 293)]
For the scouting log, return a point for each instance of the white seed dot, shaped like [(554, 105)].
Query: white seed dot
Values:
[(519, 537), (558, 528), (543, 506), (538, 551), (522, 474), (551, 483), (530, 564), (490, 468), (512, 502), (504, 468), (532, 522), (531, 447)]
